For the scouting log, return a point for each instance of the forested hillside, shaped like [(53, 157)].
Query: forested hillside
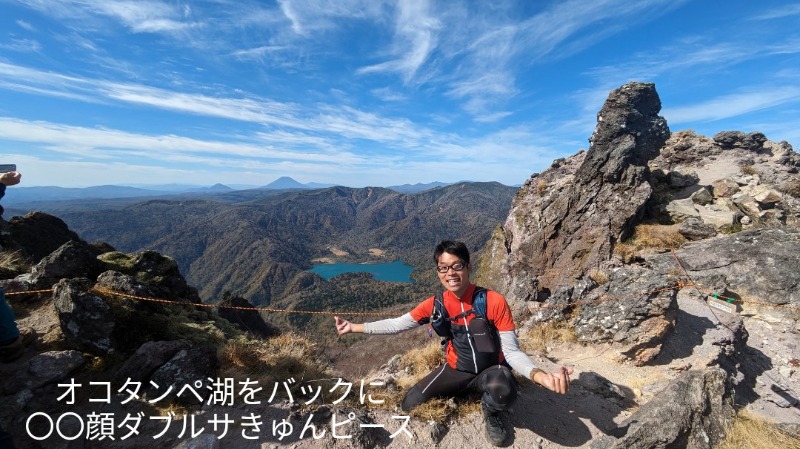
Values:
[(255, 244)]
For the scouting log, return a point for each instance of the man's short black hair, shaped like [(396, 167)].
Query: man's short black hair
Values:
[(458, 249)]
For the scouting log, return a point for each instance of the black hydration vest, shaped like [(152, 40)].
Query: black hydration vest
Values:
[(477, 346)]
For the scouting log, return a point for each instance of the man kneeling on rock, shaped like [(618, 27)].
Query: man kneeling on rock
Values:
[(481, 345)]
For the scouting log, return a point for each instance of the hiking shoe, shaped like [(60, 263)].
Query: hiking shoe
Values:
[(495, 427), (15, 349)]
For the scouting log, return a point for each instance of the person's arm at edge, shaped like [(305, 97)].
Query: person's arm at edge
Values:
[(387, 326), (557, 381)]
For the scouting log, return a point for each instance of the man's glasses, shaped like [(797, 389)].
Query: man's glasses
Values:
[(458, 266)]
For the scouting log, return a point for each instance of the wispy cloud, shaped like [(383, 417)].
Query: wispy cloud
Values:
[(780, 12), (388, 94), (499, 48), (309, 17), (22, 45), (259, 53), (733, 105), (342, 121), (93, 143), (25, 25), (138, 16), (492, 118), (415, 38)]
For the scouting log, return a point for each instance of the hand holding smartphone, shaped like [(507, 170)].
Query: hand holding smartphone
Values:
[(9, 174)]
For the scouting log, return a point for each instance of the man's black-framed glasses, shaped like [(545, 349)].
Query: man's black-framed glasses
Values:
[(458, 266)]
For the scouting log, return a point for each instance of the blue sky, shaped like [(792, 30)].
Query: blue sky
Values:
[(368, 92)]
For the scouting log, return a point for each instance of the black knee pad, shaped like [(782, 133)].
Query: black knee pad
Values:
[(500, 388)]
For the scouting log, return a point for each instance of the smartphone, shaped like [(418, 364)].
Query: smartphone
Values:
[(5, 168)]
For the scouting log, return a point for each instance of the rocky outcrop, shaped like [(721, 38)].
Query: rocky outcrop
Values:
[(148, 358), (159, 272), (636, 312), (740, 180), (569, 217), (692, 412), (38, 234), (73, 259), (192, 367), (236, 310), (86, 320), (760, 266), (44, 369)]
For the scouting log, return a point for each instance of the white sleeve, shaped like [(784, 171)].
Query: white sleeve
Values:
[(518, 360), (391, 325)]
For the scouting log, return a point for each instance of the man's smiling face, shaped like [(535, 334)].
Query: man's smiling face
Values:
[(457, 281)]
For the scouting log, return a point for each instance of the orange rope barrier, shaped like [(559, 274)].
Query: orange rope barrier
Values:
[(29, 292), (679, 284), (104, 291)]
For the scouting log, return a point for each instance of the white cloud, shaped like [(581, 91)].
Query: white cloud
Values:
[(22, 45), (308, 17), (490, 54), (82, 142), (491, 118), (259, 53), (415, 38), (25, 25), (779, 12), (732, 105), (388, 94)]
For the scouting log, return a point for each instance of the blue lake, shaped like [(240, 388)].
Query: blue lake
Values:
[(396, 271)]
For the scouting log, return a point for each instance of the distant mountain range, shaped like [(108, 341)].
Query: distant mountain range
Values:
[(258, 243), (34, 195)]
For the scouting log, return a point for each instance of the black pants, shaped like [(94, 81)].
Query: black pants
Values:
[(497, 384)]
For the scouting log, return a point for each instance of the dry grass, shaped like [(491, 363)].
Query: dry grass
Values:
[(539, 337), (650, 237), (541, 186), (749, 432), (655, 236), (748, 170), (422, 360), (419, 362), (625, 251), (13, 262), (287, 356), (437, 409), (179, 410), (792, 188), (599, 276)]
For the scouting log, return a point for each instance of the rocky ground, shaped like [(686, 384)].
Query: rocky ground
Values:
[(604, 392)]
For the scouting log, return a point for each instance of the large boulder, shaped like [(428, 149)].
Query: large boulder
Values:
[(692, 412), (148, 358), (73, 259), (694, 229), (86, 320), (569, 217), (37, 234), (636, 312), (45, 368), (188, 369), (729, 140), (159, 272), (758, 266), (122, 283)]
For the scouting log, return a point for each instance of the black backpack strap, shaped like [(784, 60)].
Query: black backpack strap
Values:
[(440, 320), (479, 302)]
